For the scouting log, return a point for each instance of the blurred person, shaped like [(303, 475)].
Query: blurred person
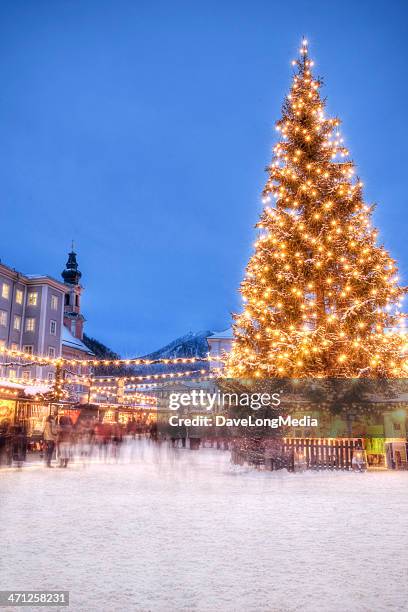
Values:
[(131, 427), (85, 435), (103, 438), (50, 436), (5, 436), (116, 440), (98, 436), (64, 440), (19, 444), (153, 431)]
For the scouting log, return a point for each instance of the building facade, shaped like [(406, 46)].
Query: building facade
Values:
[(31, 319), (219, 343), (40, 315)]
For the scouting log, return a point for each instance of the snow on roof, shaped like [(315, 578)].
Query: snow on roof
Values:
[(69, 340), (227, 333), (11, 385), (37, 389), (28, 388), (42, 277)]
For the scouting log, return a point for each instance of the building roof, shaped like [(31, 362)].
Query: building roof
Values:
[(227, 334), (46, 278), (75, 343), (31, 278)]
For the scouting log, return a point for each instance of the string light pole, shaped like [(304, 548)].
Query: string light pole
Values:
[(321, 296), (58, 382)]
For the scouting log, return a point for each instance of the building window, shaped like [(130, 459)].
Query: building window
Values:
[(51, 352), (14, 346), (28, 348), (26, 375), (3, 317), (32, 298), (5, 291), (30, 324), (67, 299), (12, 373), (17, 322), (50, 376), (53, 328), (77, 300), (54, 302), (19, 296)]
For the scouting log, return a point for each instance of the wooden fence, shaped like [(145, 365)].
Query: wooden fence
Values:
[(324, 453), (302, 453)]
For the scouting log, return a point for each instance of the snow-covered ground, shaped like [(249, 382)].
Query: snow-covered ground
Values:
[(183, 530)]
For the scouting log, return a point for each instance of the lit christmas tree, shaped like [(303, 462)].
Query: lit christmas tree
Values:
[(321, 296)]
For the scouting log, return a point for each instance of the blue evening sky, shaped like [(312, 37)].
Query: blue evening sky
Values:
[(141, 130)]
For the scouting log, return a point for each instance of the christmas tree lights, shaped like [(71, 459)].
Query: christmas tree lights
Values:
[(321, 296)]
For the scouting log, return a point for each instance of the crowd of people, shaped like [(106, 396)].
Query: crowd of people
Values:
[(88, 437), (63, 440)]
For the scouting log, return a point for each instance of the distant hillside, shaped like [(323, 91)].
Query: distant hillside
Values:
[(103, 352), (193, 344)]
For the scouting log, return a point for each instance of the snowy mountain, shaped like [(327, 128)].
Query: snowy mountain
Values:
[(193, 344)]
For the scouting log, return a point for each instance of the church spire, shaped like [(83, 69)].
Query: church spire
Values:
[(71, 274)]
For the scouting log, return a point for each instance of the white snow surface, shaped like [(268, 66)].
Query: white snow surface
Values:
[(166, 529)]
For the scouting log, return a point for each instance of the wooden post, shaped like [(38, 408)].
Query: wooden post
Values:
[(58, 382), (337, 454), (90, 373), (348, 454)]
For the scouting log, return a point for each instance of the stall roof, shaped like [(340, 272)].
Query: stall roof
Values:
[(27, 388)]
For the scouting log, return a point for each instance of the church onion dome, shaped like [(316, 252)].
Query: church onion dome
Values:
[(71, 274)]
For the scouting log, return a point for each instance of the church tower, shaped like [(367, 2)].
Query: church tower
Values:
[(73, 319)]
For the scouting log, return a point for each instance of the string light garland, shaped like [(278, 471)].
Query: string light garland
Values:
[(150, 376), (30, 382), (25, 381), (146, 399), (173, 382), (204, 376), (321, 297), (97, 383), (44, 361), (13, 364), (135, 399)]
